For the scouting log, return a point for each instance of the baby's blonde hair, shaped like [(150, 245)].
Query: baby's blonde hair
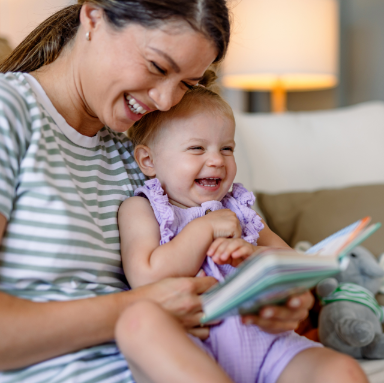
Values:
[(145, 131)]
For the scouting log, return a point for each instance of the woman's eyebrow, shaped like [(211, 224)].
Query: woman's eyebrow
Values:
[(174, 66)]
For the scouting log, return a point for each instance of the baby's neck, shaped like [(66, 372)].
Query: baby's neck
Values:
[(175, 203)]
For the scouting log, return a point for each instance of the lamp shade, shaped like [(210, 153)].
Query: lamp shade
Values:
[(292, 44)]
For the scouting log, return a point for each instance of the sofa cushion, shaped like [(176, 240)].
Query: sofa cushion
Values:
[(307, 151), (313, 216)]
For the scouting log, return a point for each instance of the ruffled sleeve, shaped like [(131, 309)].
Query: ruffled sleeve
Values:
[(240, 200), (164, 214)]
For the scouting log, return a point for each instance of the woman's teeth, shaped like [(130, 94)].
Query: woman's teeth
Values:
[(134, 105)]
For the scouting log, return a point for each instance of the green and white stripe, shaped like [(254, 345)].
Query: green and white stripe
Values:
[(357, 294), (60, 192)]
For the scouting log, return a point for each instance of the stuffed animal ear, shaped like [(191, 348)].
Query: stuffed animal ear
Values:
[(326, 287), (367, 263)]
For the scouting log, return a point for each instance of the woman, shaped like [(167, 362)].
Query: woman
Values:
[(64, 174)]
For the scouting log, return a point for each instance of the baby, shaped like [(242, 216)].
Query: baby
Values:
[(189, 219)]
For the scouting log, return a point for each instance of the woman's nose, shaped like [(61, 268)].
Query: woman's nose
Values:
[(165, 96)]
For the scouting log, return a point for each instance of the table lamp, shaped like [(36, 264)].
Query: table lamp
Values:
[(283, 45)]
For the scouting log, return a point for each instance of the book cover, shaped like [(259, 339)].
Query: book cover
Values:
[(272, 275)]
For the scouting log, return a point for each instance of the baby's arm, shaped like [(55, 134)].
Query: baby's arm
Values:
[(145, 261), (236, 250), (267, 238)]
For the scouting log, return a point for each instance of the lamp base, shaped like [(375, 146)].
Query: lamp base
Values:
[(278, 99)]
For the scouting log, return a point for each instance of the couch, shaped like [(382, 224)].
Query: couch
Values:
[(315, 172)]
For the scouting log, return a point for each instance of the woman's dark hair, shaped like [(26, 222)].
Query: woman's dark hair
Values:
[(43, 45)]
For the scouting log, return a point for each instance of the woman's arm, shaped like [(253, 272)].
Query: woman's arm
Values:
[(145, 261), (31, 332)]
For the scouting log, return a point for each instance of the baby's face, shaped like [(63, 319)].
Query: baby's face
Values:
[(193, 157)]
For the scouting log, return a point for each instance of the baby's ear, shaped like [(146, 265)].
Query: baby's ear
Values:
[(144, 158)]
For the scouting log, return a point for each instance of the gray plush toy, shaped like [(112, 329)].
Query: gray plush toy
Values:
[(350, 321)]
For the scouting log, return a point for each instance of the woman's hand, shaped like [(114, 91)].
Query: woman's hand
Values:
[(224, 223), (181, 297), (276, 319)]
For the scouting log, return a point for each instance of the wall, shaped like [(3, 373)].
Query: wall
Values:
[(19, 17), (362, 51), (361, 64), (361, 55)]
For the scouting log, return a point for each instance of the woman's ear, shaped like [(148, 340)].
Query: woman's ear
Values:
[(90, 17), (144, 158)]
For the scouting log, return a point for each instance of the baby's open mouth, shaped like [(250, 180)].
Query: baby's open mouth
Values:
[(208, 182)]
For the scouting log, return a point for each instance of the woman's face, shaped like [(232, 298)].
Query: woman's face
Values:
[(133, 71)]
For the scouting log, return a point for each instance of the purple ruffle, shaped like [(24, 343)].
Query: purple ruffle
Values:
[(162, 208), (240, 201), (173, 219)]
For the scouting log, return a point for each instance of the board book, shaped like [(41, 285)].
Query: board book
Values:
[(272, 275)]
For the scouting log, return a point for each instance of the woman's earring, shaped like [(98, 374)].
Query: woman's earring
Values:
[(88, 36)]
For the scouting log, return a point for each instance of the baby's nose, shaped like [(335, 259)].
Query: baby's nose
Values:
[(215, 159)]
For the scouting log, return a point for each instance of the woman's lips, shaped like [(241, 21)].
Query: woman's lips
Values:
[(137, 105), (131, 115)]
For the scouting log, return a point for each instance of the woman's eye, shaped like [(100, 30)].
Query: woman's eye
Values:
[(160, 70), (189, 86)]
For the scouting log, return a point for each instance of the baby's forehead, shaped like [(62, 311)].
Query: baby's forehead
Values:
[(204, 127), (203, 113), (195, 116)]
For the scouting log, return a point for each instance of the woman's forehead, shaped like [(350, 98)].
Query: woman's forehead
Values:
[(175, 42)]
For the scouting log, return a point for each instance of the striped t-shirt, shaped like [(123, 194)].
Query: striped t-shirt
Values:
[(60, 192)]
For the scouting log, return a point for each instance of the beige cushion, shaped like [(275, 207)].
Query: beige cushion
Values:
[(307, 151), (313, 216)]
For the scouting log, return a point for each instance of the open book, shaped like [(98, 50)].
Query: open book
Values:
[(272, 275)]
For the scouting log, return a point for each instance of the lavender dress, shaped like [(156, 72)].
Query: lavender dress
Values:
[(246, 353)]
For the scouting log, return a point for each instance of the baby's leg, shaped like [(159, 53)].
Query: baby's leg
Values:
[(159, 351), (319, 365)]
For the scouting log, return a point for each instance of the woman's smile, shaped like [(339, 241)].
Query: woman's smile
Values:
[(131, 113), (136, 106)]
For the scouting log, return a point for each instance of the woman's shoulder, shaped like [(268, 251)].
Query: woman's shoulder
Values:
[(118, 139), (17, 105), (14, 91)]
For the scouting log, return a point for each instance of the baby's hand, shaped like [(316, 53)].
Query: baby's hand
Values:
[(224, 223), (231, 251)]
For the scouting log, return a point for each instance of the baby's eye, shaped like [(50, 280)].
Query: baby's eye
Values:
[(228, 150), (196, 148)]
